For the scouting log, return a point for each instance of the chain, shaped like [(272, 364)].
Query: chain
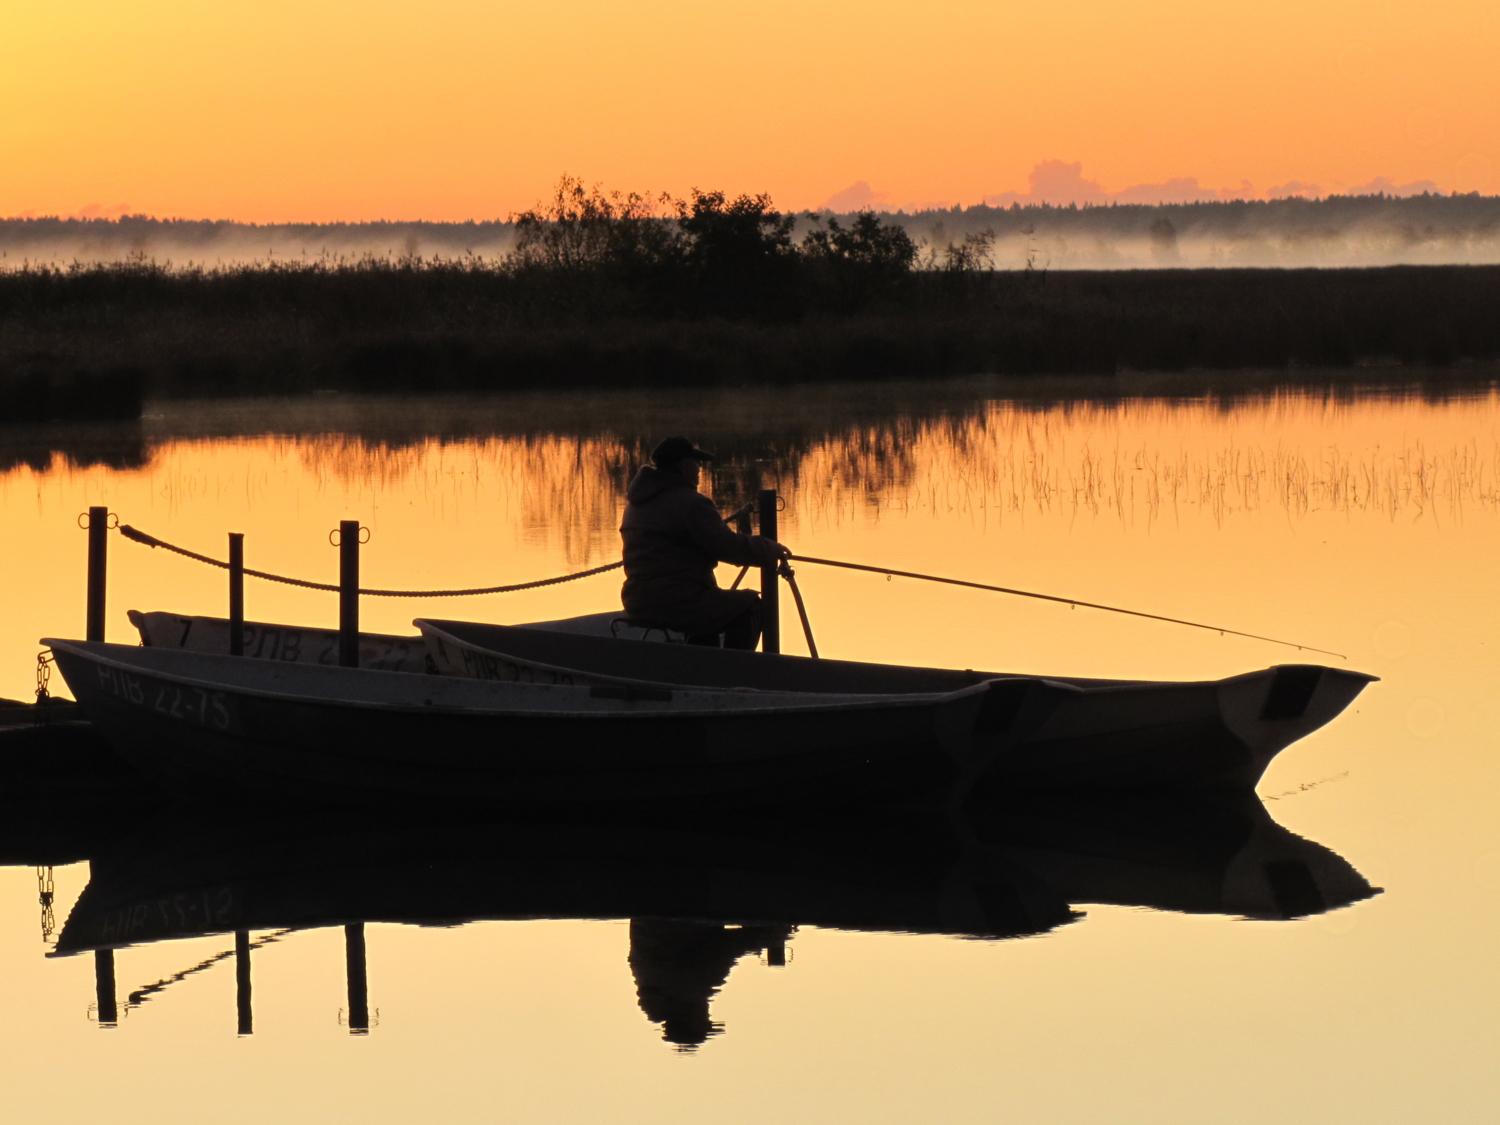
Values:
[(43, 676), (42, 711), (44, 894)]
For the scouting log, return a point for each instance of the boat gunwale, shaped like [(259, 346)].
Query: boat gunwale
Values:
[(1086, 685), (815, 701)]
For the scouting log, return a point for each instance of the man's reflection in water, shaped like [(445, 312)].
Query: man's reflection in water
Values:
[(679, 965)]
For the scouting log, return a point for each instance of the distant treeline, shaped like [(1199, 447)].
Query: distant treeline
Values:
[(1338, 230), (628, 291)]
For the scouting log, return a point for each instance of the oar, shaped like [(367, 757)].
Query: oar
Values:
[(1065, 601)]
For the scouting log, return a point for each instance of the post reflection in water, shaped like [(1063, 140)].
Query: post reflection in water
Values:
[(242, 982), (104, 988), (699, 898), (359, 987)]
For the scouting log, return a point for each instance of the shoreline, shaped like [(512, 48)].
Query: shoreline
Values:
[(99, 345), (743, 414)]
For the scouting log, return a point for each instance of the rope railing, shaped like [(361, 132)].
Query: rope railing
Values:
[(138, 536)]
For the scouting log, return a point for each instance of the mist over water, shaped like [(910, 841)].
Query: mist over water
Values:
[(1367, 230)]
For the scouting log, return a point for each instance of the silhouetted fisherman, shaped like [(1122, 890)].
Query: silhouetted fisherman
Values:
[(679, 965), (674, 536)]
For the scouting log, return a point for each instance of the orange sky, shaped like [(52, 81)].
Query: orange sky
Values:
[(454, 109)]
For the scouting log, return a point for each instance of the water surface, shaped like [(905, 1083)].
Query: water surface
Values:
[(1364, 521)]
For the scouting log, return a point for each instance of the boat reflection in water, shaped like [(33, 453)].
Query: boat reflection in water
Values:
[(699, 896)]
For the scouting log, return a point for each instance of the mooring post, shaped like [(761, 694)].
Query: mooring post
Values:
[(236, 594), (349, 593), (98, 545), (242, 979), (104, 987), (359, 986), (770, 592)]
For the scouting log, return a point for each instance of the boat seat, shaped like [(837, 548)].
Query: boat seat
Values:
[(672, 636)]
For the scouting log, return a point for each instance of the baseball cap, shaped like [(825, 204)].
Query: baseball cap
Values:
[(671, 450)]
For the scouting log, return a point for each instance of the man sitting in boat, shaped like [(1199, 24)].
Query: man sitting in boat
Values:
[(674, 537)]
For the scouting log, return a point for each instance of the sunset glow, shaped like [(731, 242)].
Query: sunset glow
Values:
[(452, 110)]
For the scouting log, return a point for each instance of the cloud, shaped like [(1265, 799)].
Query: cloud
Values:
[(1382, 185), (1053, 181), (1294, 188), (858, 196), (1056, 182), (99, 211), (1182, 189), (1060, 183)]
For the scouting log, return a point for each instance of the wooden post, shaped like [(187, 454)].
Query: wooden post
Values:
[(242, 979), (770, 591), (236, 594), (349, 593), (98, 545), (776, 953), (359, 986), (104, 987)]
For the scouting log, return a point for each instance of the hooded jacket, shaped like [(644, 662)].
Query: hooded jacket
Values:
[(674, 537)]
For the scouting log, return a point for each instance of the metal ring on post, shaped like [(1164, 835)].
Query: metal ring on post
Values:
[(335, 539)]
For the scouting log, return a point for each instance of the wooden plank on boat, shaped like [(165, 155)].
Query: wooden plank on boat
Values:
[(293, 644), (305, 644)]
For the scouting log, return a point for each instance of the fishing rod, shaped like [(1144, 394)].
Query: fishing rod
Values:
[(1065, 601)]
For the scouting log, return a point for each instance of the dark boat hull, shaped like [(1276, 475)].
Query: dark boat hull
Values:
[(208, 736), (360, 736), (1106, 733)]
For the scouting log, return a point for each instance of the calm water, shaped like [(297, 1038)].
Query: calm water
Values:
[(1045, 962)]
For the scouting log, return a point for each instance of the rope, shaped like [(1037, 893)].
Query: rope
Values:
[(138, 536), (1065, 601), (151, 541)]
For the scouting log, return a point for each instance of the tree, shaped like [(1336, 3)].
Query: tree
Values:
[(739, 252), (867, 260)]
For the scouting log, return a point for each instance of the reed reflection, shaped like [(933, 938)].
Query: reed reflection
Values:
[(700, 897), (556, 469)]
